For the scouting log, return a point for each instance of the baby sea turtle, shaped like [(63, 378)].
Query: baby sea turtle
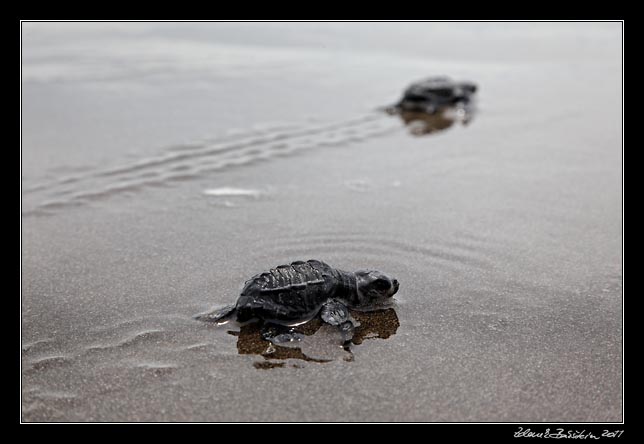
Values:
[(290, 295), (435, 93)]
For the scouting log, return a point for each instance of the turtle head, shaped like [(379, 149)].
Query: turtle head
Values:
[(375, 288)]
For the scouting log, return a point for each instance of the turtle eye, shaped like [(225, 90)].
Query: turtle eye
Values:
[(381, 284)]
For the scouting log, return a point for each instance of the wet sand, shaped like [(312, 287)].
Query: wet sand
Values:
[(163, 166)]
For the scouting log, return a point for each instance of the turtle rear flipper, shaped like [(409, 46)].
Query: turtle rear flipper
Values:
[(219, 315), (279, 334)]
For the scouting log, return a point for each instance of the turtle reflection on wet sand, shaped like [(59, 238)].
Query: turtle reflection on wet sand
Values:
[(373, 325), (291, 295), (435, 104)]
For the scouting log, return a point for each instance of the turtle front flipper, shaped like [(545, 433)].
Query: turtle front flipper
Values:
[(336, 313), (219, 315)]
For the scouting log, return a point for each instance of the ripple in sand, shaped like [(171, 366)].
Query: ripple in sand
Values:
[(132, 323), (440, 254), (30, 346), (156, 369), (49, 395), (49, 362), (137, 338), (199, 347)]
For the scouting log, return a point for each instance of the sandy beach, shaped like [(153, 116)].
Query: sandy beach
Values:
[(163, 164)]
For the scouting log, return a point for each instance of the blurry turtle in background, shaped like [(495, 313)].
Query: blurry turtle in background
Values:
[(432, 94), (434, 104)]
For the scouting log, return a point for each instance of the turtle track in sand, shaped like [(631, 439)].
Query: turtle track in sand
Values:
[(191, 161)]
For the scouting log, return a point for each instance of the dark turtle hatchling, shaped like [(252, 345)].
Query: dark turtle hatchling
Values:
[(435, 93), (290, 295)]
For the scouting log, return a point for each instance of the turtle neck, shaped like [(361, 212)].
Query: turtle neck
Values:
[(346, 289)]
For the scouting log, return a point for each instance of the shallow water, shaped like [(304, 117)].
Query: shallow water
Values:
[(164, 164)]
